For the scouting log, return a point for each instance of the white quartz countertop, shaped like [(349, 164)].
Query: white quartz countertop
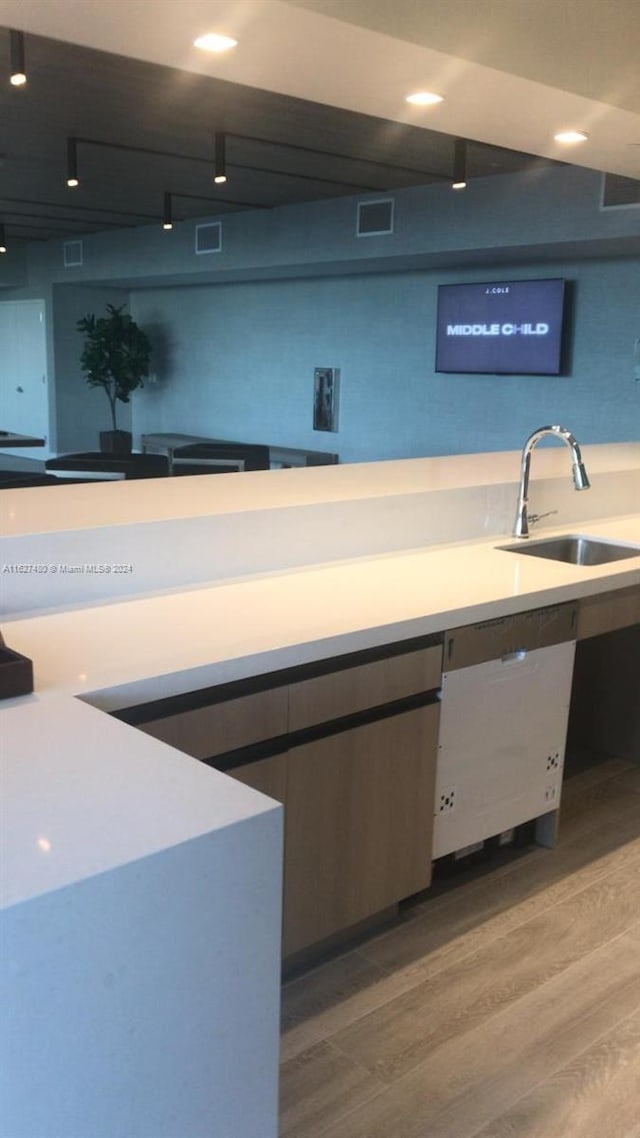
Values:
[(86, 794), (89, 792), (119, 654)]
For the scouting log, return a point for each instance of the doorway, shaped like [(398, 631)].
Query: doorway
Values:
[(24, 390)]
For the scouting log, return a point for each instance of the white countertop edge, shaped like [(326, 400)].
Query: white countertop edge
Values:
[(90, 794)]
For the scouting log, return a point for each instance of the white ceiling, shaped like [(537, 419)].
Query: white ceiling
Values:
[(589, 47), (513, 72)]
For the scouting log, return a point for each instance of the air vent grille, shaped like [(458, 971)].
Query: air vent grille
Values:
[(375, 218), (72, 254), (209, 237), (619, 192)]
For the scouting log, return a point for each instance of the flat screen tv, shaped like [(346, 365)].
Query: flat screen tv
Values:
[(501, 327)]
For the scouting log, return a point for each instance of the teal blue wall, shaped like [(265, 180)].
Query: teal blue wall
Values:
[(521, 216), (237, 361)]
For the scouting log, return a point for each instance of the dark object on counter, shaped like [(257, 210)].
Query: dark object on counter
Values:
[(16, 672)]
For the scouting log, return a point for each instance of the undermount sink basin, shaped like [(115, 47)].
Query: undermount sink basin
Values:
[(575, 550)]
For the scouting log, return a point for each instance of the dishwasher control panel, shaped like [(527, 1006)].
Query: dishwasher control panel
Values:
[(493, 639)]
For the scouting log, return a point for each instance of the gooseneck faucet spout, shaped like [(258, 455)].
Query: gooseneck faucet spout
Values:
[(580, 479)]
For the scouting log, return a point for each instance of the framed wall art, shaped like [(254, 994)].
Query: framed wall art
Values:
[(326, 390)]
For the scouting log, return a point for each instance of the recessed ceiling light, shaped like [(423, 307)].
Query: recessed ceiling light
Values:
[(459, 181), (571, 136), (424, 99), (214, 42)]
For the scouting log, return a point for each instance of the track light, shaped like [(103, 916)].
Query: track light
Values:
[(220, 175), (18, 76), (167, 217), (459, 164), (72, 163), (3, 242)]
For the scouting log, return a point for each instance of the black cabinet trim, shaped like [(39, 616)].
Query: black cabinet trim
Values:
[(221, 693), (232, 760)]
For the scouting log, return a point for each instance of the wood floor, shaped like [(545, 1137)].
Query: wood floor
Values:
[(508, 1007)]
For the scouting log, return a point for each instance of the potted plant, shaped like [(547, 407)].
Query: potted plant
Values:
[(115, 357)]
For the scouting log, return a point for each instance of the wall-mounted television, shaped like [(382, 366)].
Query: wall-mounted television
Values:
[(501, 327)]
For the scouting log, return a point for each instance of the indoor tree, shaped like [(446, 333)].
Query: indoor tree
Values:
[(115, 356)]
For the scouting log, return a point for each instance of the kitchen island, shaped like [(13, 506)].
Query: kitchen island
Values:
[(151, 638)]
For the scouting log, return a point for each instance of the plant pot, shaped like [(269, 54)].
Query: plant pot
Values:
[(115, 442)]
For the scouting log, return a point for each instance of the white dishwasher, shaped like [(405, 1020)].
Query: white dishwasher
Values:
[(506, 690)]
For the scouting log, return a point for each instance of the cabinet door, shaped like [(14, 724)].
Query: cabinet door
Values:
[(363, 686), (269, 776), (358, 824), (227, 726)]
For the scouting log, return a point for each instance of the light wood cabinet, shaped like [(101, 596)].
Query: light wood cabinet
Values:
[(349, 747), (269, 776), (217, 728), (347, 691), (359, 824)]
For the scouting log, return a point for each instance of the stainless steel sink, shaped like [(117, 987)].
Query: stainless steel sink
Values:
[(575, 550)]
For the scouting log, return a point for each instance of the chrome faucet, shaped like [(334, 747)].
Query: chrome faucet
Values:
[(580, 479)]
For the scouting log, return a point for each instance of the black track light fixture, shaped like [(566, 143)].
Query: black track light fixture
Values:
[(18, 76), (167, 213), (72, 163), (3, 239), (459, 181), (220, 175)]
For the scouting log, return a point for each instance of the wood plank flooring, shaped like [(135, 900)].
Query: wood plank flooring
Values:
[(507, 1007)]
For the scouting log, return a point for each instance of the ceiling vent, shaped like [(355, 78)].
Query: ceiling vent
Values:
[(209, 237), (72, 254), (619, 192), (375, 218)]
